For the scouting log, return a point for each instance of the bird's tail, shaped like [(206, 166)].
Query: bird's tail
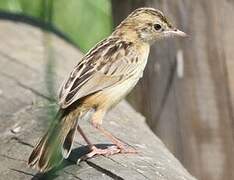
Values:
[(56, 144)]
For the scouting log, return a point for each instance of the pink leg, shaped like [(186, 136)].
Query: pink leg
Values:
[(84, 136), (97, 121), (120, 145)]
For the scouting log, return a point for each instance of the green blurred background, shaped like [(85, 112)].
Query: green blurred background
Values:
[(71, 18)]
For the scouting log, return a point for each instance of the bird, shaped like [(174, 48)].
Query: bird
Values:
[(101, 79)]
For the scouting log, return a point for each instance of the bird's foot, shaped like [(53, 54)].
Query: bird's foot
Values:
[(99, 151), (111, 150)]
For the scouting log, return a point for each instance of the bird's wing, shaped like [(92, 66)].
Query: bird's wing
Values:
[(109, 62)]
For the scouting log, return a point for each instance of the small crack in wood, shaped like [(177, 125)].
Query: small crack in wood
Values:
[(28, 88), (18, 140), (13, 59), (9, 157), (104, 171), (22, 172)]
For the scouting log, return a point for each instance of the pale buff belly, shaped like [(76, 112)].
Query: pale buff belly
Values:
[(118, 92), (110, 96)]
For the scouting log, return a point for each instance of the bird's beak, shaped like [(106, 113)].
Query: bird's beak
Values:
[(177, 32)]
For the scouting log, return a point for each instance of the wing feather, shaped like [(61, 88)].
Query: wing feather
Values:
[(108, 63)]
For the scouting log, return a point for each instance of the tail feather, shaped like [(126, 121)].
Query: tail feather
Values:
[(56, 144), (34, 157), (68, 142)]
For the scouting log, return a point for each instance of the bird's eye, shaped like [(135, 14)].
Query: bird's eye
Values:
[(157, 27)]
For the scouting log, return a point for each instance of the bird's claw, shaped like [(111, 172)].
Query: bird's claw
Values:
[(111, 150)]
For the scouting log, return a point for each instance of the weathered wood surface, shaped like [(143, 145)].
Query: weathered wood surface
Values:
[(25, 54), (189, 102)]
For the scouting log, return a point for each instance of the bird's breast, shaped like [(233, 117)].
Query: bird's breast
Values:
[(117, 92)]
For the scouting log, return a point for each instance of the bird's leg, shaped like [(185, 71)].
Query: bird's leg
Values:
[(123, 147), (97, 121), (84, 136), (118, 147)]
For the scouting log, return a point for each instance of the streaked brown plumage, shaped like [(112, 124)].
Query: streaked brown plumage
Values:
[(99, 81)]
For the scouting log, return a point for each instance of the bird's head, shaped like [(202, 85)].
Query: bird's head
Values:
[(148, 25)]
